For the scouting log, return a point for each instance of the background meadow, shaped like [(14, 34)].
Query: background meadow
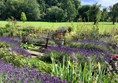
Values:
[(103, 26)]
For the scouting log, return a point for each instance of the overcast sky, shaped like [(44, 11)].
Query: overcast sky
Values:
[(104, 3)]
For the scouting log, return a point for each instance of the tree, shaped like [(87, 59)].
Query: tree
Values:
[(114, 13), (14, 8), (42, 5), (104, 15), (69, 9), (84, 12), (50, 3), (2, 9), (55, 14), (23, 17), (77, 6), (95, 13), (32, 9), (9, 8)]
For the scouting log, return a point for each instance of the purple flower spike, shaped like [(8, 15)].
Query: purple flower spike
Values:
[(17, 75), (82, 51), (10, 40), (21, 51)]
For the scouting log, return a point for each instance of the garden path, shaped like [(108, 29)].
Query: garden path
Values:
[(35, 53)]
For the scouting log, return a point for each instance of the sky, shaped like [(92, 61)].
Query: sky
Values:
[(104, 3)]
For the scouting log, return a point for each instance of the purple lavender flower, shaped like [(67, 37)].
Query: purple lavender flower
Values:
[(10, 40), (14, 74), (21, 51), (95, 42), (82, 51)]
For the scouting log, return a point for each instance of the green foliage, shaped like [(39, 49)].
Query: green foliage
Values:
[(22, 61), (23, 17), (87, 46), (87, 70), (95, 13), (94, 33), (110, 49), (104, 15), (105, 34), (110, 78), (57, 56), (29, 30), (77, 4), (88, 33), (42, 5), (116, 38), (55, 14), (4, 31), (72, 10), (29, 46), (15, 7), (69, 9), (4, 45), (70, 29), (65, 70), (84, 13), (114, 13), (10, 28)]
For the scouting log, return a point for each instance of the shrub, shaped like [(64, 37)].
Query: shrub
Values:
[(4, 31), (30, 30), (87, 33), (23, 17), (22, 61)]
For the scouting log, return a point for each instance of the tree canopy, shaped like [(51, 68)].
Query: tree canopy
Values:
[(95, 13), (54, 14), (56, 10), (114, 13)]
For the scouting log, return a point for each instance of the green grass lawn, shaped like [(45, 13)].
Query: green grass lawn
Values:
[(76, 25)]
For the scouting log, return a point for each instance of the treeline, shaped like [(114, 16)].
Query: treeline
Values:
[(56, 11)]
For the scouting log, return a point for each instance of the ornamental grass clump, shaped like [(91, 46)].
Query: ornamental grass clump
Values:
[(65, 69), (87, 71)]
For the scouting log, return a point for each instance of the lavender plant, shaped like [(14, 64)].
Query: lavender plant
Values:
[(9, 40), (10, 74), (22, 61), (81, 51), (21, 51), (14, 45)]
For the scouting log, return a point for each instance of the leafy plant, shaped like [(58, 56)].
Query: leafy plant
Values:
[(23, 17), (87, 70), (65, 70)]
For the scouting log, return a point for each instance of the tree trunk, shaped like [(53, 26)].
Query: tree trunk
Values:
[(113, 22), (95, 22)]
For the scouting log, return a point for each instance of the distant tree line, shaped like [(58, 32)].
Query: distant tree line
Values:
[(56, 11)]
